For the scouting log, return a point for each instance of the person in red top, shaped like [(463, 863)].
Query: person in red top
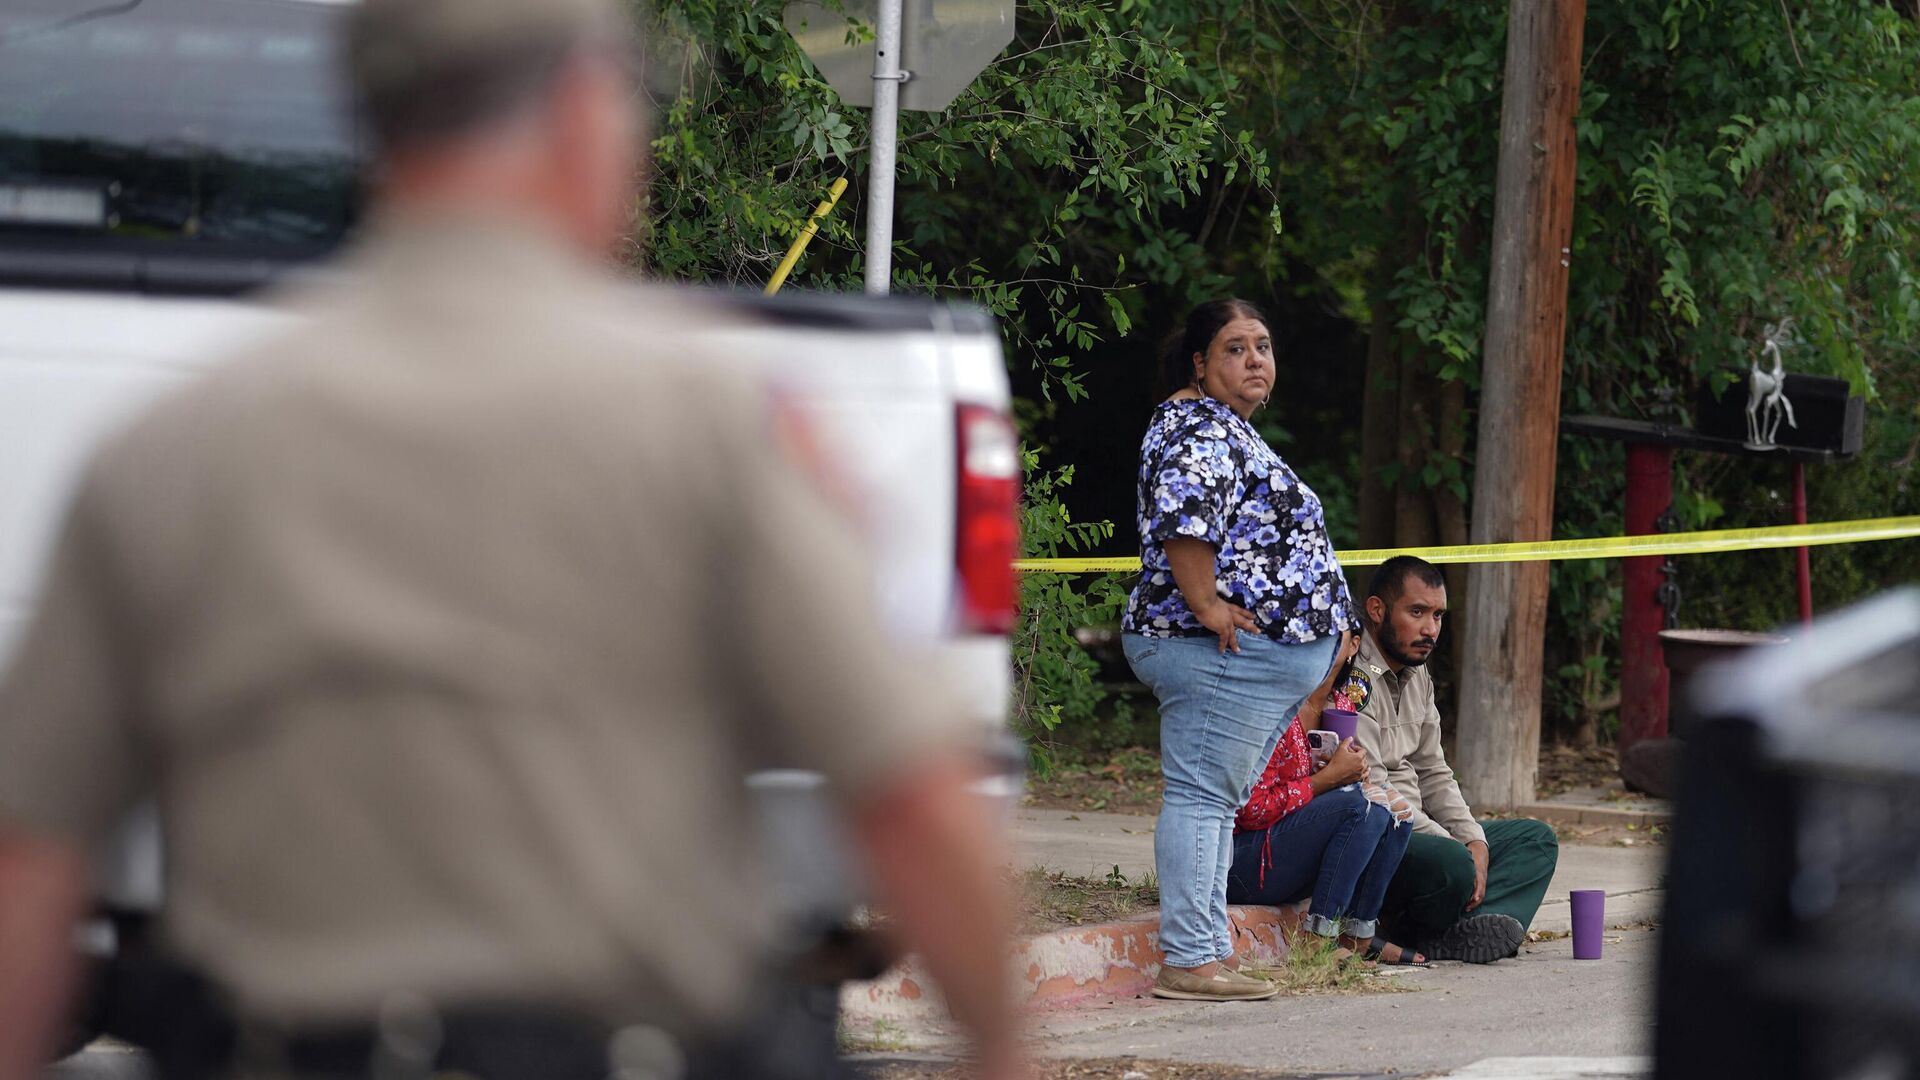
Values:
[(1321, 834)]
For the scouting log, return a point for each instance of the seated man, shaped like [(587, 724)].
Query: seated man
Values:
[(1466, 890)]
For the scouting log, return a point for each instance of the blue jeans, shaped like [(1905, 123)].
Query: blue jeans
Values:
[(1221, 715), (1340, 849)]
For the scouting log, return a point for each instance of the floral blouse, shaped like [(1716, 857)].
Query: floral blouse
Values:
[(1206, 474)]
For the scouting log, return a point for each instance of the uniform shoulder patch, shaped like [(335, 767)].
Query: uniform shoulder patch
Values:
[(1355, 686)]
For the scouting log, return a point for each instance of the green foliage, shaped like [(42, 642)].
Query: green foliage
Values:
[(1771, 163), (1740, 161), (1055, 681), (1039, 193)]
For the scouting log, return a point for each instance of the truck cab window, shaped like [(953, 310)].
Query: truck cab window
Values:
[(174, 126)]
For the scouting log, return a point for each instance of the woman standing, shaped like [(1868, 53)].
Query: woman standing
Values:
[(1236, 618)]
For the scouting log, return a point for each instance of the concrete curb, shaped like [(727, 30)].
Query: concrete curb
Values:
[(1574, 814), (1069, 967), (1554, 1068), (1630, 907)]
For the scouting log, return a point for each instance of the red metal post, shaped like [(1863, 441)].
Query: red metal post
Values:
[(1643, 670), (1800, 518)]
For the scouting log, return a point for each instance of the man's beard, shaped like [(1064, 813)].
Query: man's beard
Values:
[(1390, 645)]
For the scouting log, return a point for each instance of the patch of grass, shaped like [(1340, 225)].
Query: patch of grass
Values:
[(884, 1036), (1311, 967), (1051, 900)]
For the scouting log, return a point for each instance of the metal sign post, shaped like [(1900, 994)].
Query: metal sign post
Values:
[(887, 77), (925, 52)]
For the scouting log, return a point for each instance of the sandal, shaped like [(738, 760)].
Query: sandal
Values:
[(1376, 952)]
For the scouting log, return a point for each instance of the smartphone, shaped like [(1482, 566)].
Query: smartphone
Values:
[(1322, 744)]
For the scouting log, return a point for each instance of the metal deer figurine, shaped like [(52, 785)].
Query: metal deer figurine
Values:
[(1767, 390)]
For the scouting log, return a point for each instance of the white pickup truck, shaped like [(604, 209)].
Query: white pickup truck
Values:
[(160, 162)]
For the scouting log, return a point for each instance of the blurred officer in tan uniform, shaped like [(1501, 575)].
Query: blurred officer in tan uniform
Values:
[(446, 628)]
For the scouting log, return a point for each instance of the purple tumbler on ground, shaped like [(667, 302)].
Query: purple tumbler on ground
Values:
[(1589, 922), (1340, 721)]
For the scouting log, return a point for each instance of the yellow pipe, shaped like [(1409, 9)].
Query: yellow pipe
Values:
[(813, 226)]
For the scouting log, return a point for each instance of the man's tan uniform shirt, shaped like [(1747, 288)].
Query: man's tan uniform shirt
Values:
[(1400, 731), (445, 630)]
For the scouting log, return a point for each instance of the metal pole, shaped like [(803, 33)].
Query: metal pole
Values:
[(1803, 571), (887, 78)]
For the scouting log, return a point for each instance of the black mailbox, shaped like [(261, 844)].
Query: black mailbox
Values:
[(1826, 416)]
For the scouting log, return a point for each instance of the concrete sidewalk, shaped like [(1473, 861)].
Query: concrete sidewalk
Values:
[(1091, 844)]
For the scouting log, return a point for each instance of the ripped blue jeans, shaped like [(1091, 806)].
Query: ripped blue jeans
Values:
[(1340, 849)]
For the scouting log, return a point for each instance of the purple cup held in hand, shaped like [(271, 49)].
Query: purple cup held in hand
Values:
[(1589, 922), (1341, 721)]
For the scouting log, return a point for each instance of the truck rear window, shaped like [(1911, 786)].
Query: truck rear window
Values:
[(184, 125)]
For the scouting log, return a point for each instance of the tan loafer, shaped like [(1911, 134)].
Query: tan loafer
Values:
[(1222, 985), (1246, 975), (1247, 964)]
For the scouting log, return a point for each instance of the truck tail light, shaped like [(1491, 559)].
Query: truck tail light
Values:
[(987, 539)]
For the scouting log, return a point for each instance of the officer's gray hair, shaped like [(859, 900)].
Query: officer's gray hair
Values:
[(423, 71), (460, 98)]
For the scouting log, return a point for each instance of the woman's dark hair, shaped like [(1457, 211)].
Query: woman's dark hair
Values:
[(1203, 323)]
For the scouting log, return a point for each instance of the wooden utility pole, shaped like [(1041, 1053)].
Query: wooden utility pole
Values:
[(1499, 721)]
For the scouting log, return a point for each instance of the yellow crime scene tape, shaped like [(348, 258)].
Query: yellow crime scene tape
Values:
[(1596, 547)]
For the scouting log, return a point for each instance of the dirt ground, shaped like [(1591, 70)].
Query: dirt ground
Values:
[(1052, 900), (1126, 783), (1566, 768), (1129, 781)]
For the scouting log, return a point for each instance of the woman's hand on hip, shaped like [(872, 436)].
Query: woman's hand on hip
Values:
[(1226, 620), (1192, 563)]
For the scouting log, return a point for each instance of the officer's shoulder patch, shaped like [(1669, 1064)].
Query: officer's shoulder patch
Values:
[(1356, 687)]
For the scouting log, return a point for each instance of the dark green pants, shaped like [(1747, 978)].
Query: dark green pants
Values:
[(1430, 890)]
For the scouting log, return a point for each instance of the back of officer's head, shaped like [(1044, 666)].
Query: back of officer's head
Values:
[(529, 100)]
